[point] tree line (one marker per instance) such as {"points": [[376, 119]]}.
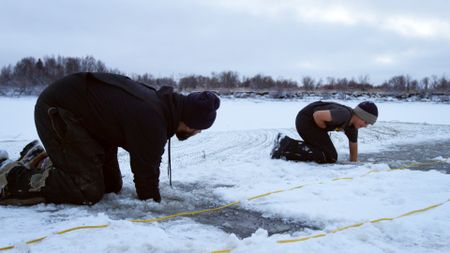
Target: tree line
{"points": [[29, 76]]}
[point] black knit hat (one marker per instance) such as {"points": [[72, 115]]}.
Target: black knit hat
{"points": [[199, 109], [367, 111]]}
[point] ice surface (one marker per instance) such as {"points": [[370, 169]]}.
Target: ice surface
{"points": [[231, 162]]}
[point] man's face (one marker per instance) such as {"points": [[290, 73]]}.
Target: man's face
{"points": [[359, 123], [184, 134]]}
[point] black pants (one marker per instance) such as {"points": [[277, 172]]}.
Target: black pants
{"points": [[83, 168], [316, 145]]}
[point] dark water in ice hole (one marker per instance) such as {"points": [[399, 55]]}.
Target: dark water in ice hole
{"points": [[244, 222]]}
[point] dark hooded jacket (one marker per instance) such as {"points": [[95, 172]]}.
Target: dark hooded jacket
{"points": [[119, 112]]}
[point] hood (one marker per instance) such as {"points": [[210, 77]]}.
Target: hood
{"points": [[172, 107]]}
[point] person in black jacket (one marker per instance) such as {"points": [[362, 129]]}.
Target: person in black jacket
{"points": [[313, 124], [82, 119]]}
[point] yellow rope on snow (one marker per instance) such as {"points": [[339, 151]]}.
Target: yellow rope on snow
{"points": [[187, 213], [411, 165], [59, 233], [36, 240], [81, 227], [343, 178], [364, 223], [222, 251], [220, 207], [306, 238]]}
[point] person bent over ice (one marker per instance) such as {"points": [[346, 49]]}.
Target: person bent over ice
{"points": [[313, 124], [81, 120]]}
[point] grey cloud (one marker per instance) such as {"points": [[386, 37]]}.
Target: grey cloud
{"points": [[184, 37]]}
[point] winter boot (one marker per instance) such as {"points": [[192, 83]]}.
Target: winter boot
{"points": [[280, 144], [5, 167], [4, 158], [32, 154], [275, 153], [20, 185], [27, 148], [291, 149]]}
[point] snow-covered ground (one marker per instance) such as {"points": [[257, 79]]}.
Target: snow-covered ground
{"points": [[230, 162]]}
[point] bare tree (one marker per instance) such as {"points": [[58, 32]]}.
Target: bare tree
{"points": [[308, 83]]}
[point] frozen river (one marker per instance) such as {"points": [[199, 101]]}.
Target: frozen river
{"points": [[231, 163]]}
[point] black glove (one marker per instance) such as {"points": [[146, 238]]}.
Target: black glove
{"points": [[156, 196], [149, 193]]}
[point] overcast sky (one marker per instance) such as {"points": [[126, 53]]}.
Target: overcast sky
{"points": [[282, 38]]}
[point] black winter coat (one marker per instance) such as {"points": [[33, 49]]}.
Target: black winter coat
{"points": [[119, 112]]}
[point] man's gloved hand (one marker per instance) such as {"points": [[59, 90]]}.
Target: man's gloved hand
{"points": [[149, 193], [156, 196]]}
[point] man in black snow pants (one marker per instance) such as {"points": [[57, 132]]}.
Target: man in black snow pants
{"points": [[313, 124], [82, 119]]}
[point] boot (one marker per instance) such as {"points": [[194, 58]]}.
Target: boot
{"points": [[3, 155], [5, 166], [280, 143], [27, 148], [21, 181], [16, 185], [32, 154], [4, 159]]}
